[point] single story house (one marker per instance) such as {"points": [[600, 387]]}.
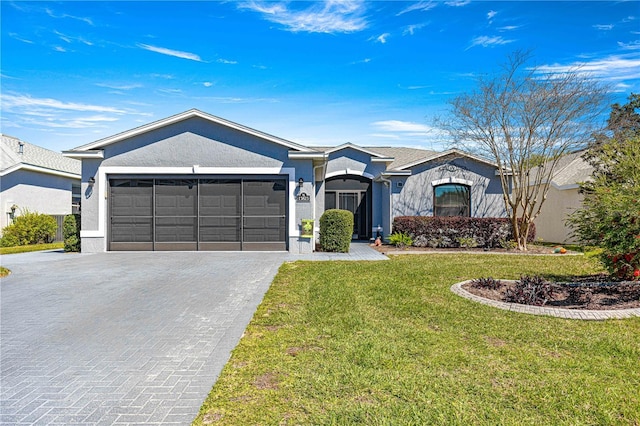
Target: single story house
{"points": [[36, 179], [563, 199], [194, 181]]}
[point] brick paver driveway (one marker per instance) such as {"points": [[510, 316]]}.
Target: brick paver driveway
{"points": [[130, 338]]}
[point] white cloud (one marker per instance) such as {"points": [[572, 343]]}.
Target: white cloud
{"points": [[382, 38], [17, 37], [458, 3], [508, 28], [170, 52], [491, 14], [634, 45], [363, 61], [421, 6], [486, 41], [59, 49], [207, 84], [226, 61], [119, 86], [411, 29], [329, 16], [402, 126], [612, 68], [603, 27], [25, 101], [52, 14]]}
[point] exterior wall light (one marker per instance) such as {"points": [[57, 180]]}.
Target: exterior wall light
{"points": [[92, 181], [300, 182]]}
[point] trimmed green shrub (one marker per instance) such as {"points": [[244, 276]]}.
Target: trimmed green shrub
{"points": [[71, 232], [451, 232], [336, 230], [400, 240], [29, 228]]}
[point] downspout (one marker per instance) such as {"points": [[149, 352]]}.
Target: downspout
{"points": [[387, 183]]}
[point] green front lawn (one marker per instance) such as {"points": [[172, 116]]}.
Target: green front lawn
{"points": [[30, 247], [382, 343]]}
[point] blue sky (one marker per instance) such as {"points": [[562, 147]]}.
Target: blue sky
{"points": [[318, 73]]}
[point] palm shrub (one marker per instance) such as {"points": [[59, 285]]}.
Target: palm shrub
{"points": [[400, 239], [71, 232], [29, 228], [336, 229]]}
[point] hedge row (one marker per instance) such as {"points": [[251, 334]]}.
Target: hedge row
{"points": [[449, 232]]}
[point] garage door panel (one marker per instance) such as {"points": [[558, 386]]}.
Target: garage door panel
{"points": [[263, 229], [178, 229], [198, 214], [132, 229], [220, 229]]}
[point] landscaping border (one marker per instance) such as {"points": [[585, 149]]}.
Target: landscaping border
{"points": [[579, 314]]}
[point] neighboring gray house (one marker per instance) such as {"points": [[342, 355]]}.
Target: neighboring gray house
{"points": [[563, 199], [194, 181], [36, 179]]}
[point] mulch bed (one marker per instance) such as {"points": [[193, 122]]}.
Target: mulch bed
{"points": [[591, 292], [532, 249]]}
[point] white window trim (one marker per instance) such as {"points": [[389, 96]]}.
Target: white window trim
{"points": [[451, 180], [101, 185]]}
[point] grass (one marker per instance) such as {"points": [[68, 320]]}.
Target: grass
{"points": [[4, 272], [383, 343], [30, 247]]}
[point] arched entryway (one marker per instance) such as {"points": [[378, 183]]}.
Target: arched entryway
{"points": [[353, 193]]}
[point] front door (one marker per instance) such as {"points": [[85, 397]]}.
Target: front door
{"points": [[352, 194]]}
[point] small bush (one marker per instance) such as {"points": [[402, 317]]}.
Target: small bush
{"points": [[336, 230], [29, 228], [449, 232], [467, 242], [71, 232], [489, 283], [400, 240], [530, 290]]}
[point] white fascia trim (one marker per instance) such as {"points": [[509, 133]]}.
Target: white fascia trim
{"points": [[39, 169], [396, 173], [452, 180], [83, 154], [349, 172], [382, 160], [103, 172], [293, 155], [183, 116]]}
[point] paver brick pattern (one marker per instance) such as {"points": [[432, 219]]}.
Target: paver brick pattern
{"points": [[126, 338], [122, 338]]}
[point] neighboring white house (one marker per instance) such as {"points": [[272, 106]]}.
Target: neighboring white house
{"points": [[563, 199], [36, 179]]}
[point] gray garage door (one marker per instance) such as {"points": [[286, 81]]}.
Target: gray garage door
{"points": [[198, 214]]}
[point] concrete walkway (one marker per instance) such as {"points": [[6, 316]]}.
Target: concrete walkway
{"points": [[126, 338]]}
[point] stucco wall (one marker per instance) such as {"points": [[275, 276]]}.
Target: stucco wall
{"points": [[550, 224], [188, 147], [37, 192], [415, 197]]}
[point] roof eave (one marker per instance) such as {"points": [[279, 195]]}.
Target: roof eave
{"points": [[79, 155]]}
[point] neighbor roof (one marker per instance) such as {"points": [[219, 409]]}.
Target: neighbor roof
{"points": [[35, 158], [571, 169]]}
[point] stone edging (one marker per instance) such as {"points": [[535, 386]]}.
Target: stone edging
{"points": [[580, 314]]}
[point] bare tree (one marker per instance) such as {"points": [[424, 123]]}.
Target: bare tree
{"points": [[524, 120]]}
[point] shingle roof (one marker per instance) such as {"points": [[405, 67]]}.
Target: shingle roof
{"points": [[400, 155], [34, 155]]}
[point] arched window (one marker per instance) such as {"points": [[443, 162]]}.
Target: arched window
{"points": [[452, 199]]}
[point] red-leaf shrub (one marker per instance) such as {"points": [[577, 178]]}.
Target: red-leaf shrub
{"points": [[446, 232]]}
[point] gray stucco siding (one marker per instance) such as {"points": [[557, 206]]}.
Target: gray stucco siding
{"points": [[36, 192], [195, 142], [415, 196], [352, 161]]}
